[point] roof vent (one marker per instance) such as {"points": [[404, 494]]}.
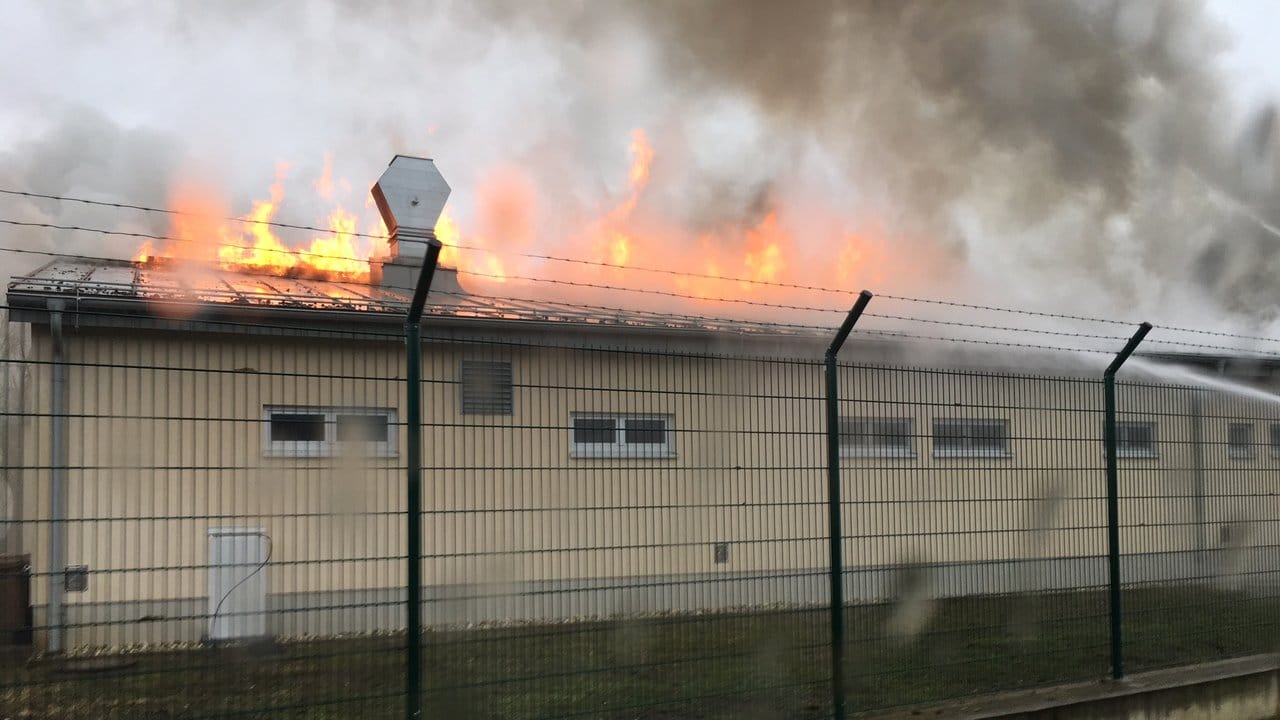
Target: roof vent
{"points": [[410, 195]]}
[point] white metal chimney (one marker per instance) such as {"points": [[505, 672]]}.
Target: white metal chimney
{"points": [[410, 195]]}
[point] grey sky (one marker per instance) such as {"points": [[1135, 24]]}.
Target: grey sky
{"points": [[1253, 59]]}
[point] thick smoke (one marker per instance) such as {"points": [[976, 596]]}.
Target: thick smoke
{"points": [[83, 154], [1083, 151], [1080, 154]]}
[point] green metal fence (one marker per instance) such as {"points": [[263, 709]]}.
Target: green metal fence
{"points": [[211, 517]]}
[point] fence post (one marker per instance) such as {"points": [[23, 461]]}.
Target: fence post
{"points": [[835, 533], [1113, 496], [413, 507]]}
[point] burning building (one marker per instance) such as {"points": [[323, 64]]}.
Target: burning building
{"points": [[216, 450]]}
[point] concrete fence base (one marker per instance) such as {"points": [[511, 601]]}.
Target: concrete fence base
{"points": [[378, 610], [1240, 689]]}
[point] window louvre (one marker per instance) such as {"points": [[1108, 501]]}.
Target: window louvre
{"points": [[486, 388]]}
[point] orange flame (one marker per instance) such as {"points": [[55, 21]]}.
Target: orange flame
{"points": [[324, 183], [761, 258], [642, 159], [250, 243], [145, 253]]}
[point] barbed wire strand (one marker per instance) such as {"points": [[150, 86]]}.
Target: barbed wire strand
{"points": [[780, 306], [706, 319]]}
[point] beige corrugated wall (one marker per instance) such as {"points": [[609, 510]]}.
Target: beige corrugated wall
{"points": [[166, 442]]}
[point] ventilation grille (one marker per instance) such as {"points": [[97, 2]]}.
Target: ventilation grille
{"points": [[486, 388]]}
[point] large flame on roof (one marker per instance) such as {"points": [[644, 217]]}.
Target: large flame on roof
{"points": [[509, 234], [773, 257], [201, 231]]}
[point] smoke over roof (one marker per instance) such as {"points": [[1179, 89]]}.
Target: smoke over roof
{"points": [[1032, 152]]}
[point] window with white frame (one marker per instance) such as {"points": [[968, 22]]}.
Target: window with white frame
{"points": [[1136, 439], [970, 437], [619, 435], [309, 431], [1240, 441], [876, 437], [1275, 440]]}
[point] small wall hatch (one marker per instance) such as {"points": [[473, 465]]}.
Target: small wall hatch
{"points": [[237, 583], [75, 578], [722, 553]]}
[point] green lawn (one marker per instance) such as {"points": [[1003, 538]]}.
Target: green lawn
{"points": [[771, 664]]}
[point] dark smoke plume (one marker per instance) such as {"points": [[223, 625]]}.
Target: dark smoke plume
{"points": [[1078, 143]]}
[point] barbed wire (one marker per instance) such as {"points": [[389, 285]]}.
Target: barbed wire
{"points": [[455, 246], [180, 213], [650, 291], [600, 286], [464, 295], [1038, 331], [666, 293], [170, 238], [715, 320], [977, 341], [1064, 316]]}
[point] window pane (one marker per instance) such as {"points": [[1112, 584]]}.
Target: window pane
{"points": [[856, 433], [948, 435], [594, 430], [648, 432], [987, 431], [876, 434], [1136, 439], [989, 436], [1136, 435], [1240, 434], [851, 432], [297, 428], [1240, 439], [895, 434], [1275, 438], [362, 428], [969, 438]]}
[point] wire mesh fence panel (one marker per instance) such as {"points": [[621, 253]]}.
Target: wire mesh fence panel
{"points": [[974, 532], [205, 514], [617, 533], [1198, 522], [206, 517]]}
